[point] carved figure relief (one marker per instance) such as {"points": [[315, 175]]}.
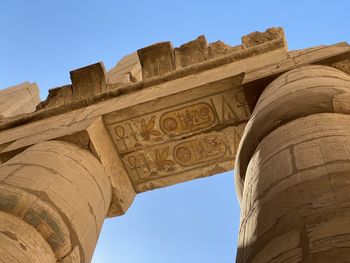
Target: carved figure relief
{"points": [[161, 159], [148, 129]]}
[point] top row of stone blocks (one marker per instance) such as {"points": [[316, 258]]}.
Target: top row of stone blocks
{"points": [[150, 62], [161, 58]]}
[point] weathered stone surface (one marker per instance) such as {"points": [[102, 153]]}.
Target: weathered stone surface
{"points": [[343, 65], [156, 60], [127, 70], [89, 80], [48, 129], [219, 48], [296, 194], [298, 58], [291, 170], [60, 191], [19, 99], [201, 109], [257, 79], [257, 38], [20, 242], [193, 52], [123, 192], [299, 92], [57, 97], [40, 215], [175, 162], [145, 135], [73, 257]]}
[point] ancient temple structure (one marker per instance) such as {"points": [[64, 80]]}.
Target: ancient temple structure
{"points": [[167, 115]]}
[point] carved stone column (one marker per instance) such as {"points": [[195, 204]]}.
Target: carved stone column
{"points": [[293, 170], [53, 200]]}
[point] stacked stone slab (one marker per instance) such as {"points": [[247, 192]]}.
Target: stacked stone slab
{"points": [[167, 115]]}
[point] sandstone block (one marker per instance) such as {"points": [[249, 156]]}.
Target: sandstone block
{"points": [[57, 97], [193, 52], [257, 38], [157, 59], [127, 70], [19, 99], [219, 48], [88, 81]]}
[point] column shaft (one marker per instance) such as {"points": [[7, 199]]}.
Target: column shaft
{"points": [[294, 171], [60, 194]]}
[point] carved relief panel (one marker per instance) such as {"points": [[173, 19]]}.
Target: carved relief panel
{"points": [[171, 136], [198, 155]]}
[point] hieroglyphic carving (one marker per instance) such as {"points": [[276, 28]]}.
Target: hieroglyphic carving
{"points": [[135, 133], [148, 129], [242, 102], [225, 107], [174, 158], [150, 163], [200, 150], [187, 119]]}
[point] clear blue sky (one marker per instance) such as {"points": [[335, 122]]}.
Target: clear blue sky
{"points": [[42, 40]]}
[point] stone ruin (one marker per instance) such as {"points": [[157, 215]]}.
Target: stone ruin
{"points": [[167, 115]]}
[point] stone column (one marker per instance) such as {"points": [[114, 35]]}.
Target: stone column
{"points": [[53, 200], [293, 170]]}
